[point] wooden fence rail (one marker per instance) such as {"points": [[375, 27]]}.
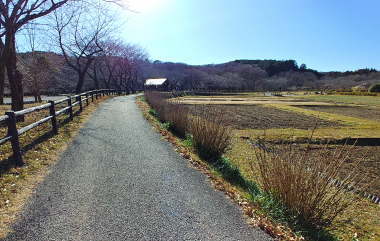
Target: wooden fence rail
{"points": [[10, 117]]}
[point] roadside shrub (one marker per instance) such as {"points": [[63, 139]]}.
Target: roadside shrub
{"points": [[166, 125], [375, 88], [305, 182], [211, 135], [169, 111], [157, 101], [178, 115], [188, 140], [153, 112]]}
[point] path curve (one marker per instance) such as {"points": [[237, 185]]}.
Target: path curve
{"points": [[120, 181]]}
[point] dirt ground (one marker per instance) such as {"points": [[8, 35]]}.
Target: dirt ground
{"points": [[261, 117], [360, 112], [228, 100]]}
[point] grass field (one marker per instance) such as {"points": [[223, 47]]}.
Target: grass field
{"points": [[343, 99], [295, 118]]}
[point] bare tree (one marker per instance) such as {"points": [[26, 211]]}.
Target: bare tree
{"points": [[14, 14], [104, 66], [2, 73], [34, 65], [127, 63], [37, 71], [80, 31], [118, 65], [94, 71]]}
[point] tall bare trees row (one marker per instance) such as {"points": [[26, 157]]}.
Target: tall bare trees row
{"points": [[117, 66], [79, 31], [83, 32], [86, 36]]}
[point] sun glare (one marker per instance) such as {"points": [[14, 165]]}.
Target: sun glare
{"points": [[143, 6]]}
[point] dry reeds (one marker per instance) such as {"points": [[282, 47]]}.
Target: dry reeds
{"points": [[169, 111], [211, 135], [305, 182], [178, 116]]}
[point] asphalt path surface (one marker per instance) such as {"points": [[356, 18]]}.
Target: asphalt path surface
{"points": [[120, 181]]}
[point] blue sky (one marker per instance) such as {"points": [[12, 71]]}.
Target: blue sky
{"points": [[325, 34]]}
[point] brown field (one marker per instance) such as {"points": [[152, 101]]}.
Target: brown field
{"points": [[247, 114], [259, 116], [255, 100], [262, 117], [360, 112]]}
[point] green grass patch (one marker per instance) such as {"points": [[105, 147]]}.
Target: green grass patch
{"points": [[153, 113], [166, 125], [188, 141], [346, 99]]}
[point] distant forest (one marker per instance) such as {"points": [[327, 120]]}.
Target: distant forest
{"points": [[238, 75], [258, 75]]}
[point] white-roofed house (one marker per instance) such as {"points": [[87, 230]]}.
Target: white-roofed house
{"points": [[156, 84]]}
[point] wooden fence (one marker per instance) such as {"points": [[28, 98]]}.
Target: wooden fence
{"points": [[10, 118]]}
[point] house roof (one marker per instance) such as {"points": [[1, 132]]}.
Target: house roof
{"points": [[155, 81]]}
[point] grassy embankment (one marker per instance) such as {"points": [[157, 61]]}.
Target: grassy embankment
{"points": [[364, 225]]}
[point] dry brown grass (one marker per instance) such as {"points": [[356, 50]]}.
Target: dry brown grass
{"points": [[178, 116], [172, 112], [211, 136], [305, 183], [208, 127]]}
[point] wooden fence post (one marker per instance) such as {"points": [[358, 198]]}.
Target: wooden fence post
{"points": [[12, 131], [53, 117], [69, 103], [79, 98], [87, 101], [92, 96]]}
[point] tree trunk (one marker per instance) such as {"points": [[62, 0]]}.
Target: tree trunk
{"points": [[37, 98], [2, 83], [2, 71], [80, 82], [96, 80], [14, 76]]}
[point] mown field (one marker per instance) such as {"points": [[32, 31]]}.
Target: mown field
{"points": [[296, 119]]}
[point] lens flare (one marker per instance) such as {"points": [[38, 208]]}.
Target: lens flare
{"points": [[143, 6]]}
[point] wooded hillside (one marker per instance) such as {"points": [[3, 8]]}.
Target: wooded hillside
{"points": [[252, 75], [256, 75]]}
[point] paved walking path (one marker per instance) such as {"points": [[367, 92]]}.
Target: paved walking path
{"points": [[120, 181]]}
